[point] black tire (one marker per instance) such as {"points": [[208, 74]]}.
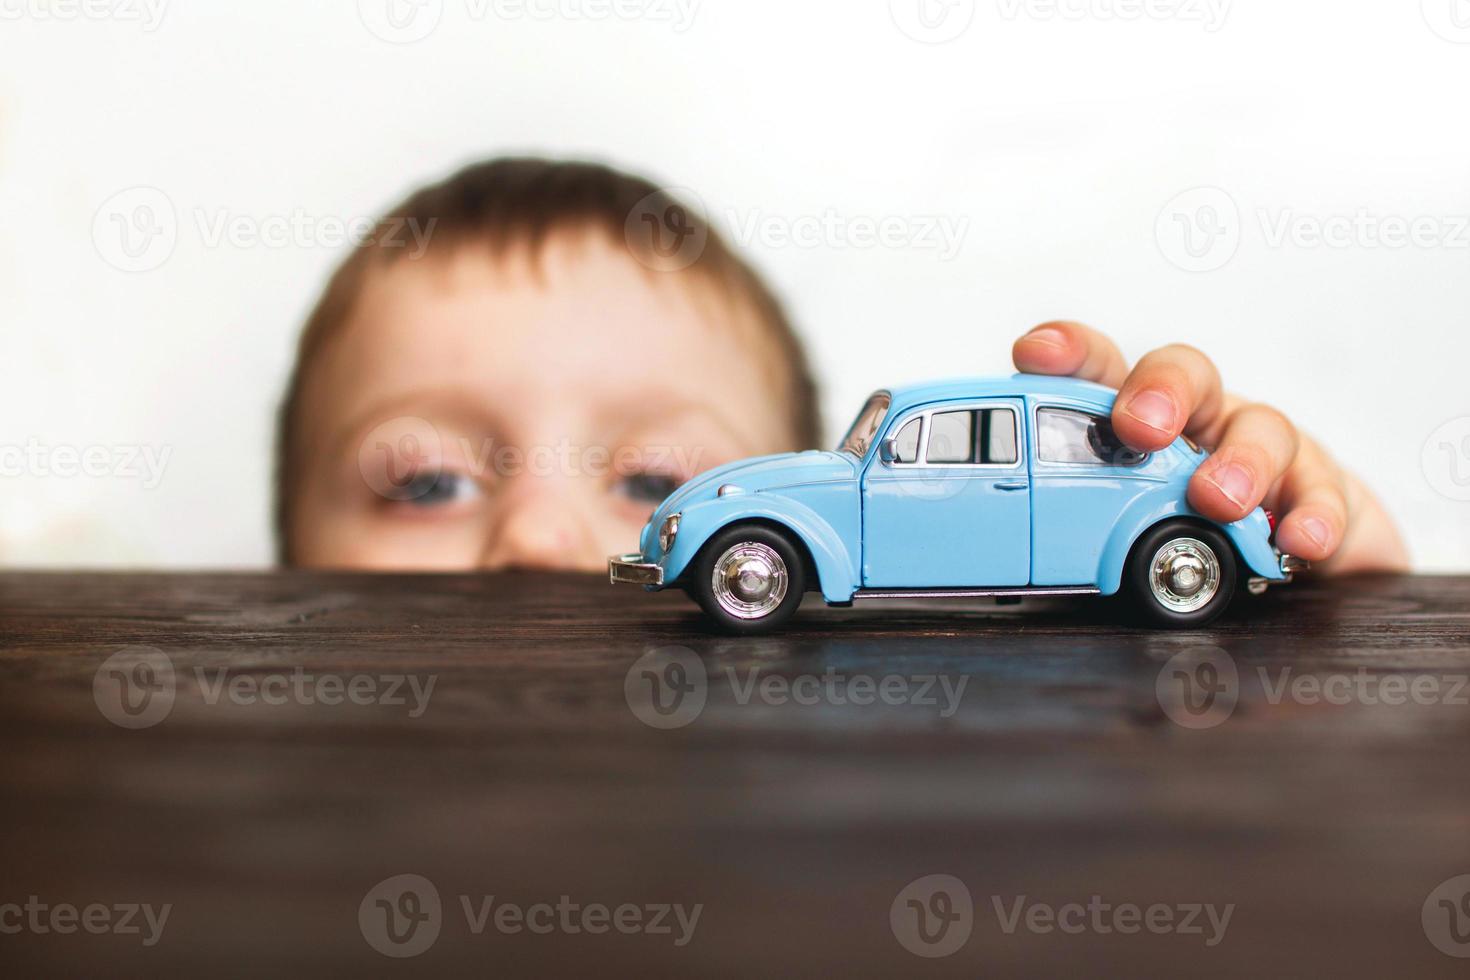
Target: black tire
{"points": [[764, 547], [1152, 596]]}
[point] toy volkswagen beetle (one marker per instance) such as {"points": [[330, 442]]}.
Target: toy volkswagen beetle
{"points": [[1006, 488]]}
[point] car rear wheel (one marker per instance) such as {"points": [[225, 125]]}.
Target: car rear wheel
{"points": [[749, 579], [1181, 575]]}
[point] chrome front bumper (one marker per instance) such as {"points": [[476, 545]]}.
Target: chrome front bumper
{"points": [[633, 570]]}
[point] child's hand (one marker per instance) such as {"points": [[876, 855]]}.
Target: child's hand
{"points": [[1256, 456]]}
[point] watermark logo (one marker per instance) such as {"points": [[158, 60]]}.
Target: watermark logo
{"points": [[400, 21], [135, 687], [145, 464], [1450, 19], [668, 230], [1446, 917], [1199, 230], [933, 916], [136, 230], [1198, 688], [932, 21], [667, 688], [402, 458], [942, 234], [1446, 459], [41, 918], [1101, 917], [1210, 14], [148, 14], [401, 916]]}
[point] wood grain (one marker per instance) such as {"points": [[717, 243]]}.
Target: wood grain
{"points": [[1059, 774]]}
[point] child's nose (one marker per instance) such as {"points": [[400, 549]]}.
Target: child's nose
{"points": [[535, 532]]}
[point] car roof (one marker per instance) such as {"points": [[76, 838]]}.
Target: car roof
{"points": [[1014, 386]]}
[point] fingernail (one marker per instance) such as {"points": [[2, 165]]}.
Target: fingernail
{"points": [[1154, 409], [1050, 336], [1317, 529], [1235, 482]]}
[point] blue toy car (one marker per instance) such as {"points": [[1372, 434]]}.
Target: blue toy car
{"points": [[1006, 487]]}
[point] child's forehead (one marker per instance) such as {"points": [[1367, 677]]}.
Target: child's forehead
{"points": [[577, 328]]}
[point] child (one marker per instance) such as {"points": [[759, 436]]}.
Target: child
{"points": [[568, 348], [571, 344]]}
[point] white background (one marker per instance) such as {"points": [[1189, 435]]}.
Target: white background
{"points": [[1056, 136]]}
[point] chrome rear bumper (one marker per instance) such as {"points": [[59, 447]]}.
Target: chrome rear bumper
{"points": [[1290, 565], [633, 570]]}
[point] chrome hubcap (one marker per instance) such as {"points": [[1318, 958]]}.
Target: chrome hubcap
{"points": [[749, 580], [1184, 575]]}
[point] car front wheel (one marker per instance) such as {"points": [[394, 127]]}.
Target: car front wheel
{"points": [[1181, 575], [749, 579]]}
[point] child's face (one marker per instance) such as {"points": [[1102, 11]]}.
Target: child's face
{"points": [[476, 412]]}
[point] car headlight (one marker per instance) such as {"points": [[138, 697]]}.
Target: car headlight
{"points": [[667, 532]]}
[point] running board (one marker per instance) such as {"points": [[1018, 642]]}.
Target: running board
{"points": [[1016, 593]]}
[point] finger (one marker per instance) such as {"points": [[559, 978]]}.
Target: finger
{"points": [[1257, 447], [1172, 390], [1066, 348], [1314, 506]]}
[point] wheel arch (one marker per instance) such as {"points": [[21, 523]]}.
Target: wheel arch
{"points": [[829, 564]]}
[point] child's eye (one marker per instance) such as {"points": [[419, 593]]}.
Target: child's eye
{"points": [[439, 489], [647, 488]]}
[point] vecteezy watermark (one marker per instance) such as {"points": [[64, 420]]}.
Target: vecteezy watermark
{"points": [[1446, 459], [1450, 19], [932, 916], [147, 14], [932, 21], [400, 21], [406, 458], [1446, 917], [143, 463], [668, 230], [63, 918], [1209, 14], [1199, 230], [138, 230], [408, 21], [669, 687], [1363, 229], [403, 916], [137, 687], [1200, 688], [1102, 917], [939, 233], [301, 687]]}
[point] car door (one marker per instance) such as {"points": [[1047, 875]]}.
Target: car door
{"points": [[1082, 479], [952, 508]]}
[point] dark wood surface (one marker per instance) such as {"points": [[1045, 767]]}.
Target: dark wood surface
{"points": [[529, 776]]}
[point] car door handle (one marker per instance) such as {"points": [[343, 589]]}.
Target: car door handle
{"points": [[1018, 485]]}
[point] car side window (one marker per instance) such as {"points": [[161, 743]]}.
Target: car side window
{"points": [[998, 442], [1069, 436], [906, 443], [985, 436], [951, 438]]}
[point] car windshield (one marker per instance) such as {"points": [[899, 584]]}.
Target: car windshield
{"points": [[860, 436]]}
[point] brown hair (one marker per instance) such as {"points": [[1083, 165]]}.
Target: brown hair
{"points": [[522, 202]]}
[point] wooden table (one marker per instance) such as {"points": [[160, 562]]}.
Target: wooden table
{"points": [[1067, 769]]}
